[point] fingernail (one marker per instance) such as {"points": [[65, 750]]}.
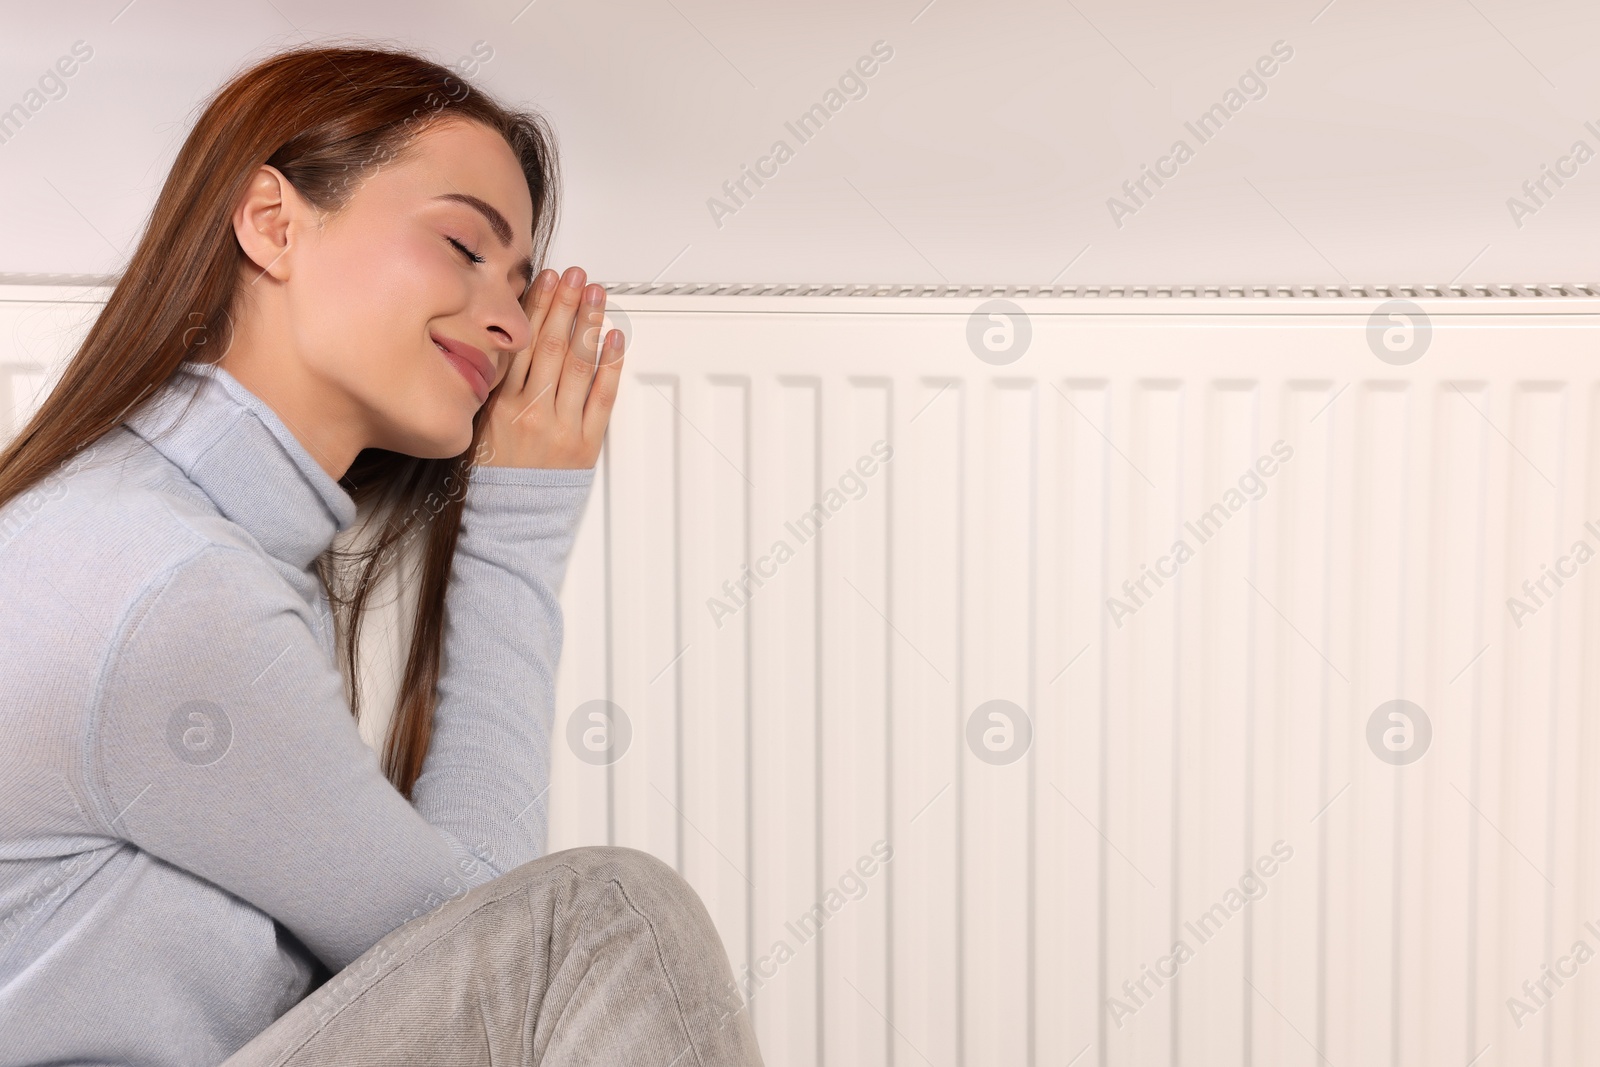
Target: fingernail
{"points": [[547, 280], [574, 277], [594, 294]]}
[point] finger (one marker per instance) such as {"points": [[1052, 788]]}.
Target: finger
{"points": [[603, 391], [573, 389], [551, 345], [537, 305]]}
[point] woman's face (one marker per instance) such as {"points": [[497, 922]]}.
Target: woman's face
{"points": [[428, 253]]}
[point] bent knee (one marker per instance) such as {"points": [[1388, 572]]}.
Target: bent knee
{"points": [[626, 864], [635, 869], [644, 880], [610, 884]]}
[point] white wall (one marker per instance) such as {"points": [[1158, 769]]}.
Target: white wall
{"points": [[984, 151]]}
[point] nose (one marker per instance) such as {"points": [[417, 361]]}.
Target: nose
{"points": [[508, 326]]}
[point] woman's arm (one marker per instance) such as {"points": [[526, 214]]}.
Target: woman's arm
{"points": [[486, 776], [220, 739]]}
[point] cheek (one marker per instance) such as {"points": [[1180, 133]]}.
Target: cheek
{"points": [[369, 302]]}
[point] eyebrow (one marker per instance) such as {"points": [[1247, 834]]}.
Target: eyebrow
{"points": [[497, 222]]}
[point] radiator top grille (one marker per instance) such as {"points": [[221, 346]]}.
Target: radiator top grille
{"points": [[1542, 290], [1158, 292]]}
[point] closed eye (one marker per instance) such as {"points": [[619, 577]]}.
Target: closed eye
{"points": [[469, 253]]}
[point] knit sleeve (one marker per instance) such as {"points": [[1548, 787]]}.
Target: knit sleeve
{"points": [[221, 741], [487, 773]]}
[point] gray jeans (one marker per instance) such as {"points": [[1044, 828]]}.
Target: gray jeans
{"points": [[595, 955]]}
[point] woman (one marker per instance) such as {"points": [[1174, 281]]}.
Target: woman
{"points": [[335, 303]]}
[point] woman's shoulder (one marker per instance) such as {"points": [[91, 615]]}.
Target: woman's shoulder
{"points": [[86, 556], [118, 516]]}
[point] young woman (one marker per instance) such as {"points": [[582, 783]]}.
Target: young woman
{"points": [[336, 303]]}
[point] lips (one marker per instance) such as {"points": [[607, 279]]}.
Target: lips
{"points": [[474, 366]]}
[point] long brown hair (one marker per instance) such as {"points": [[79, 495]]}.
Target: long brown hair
{"points": [[325, 117]]}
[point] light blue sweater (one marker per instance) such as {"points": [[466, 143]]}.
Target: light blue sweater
{"points": [[189, 818]]}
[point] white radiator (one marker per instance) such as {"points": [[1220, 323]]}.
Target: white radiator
{"points": [[1192, 832]]}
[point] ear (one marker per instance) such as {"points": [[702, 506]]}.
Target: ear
{"points": [[267, 212]]}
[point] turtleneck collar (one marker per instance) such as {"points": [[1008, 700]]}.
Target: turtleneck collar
{"points": [[242, 455]]}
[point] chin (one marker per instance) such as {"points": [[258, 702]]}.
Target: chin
{"points": [[449, 436], [457, 445]]}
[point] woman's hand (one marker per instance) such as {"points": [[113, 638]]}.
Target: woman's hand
{"points": [[554, 401]]}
